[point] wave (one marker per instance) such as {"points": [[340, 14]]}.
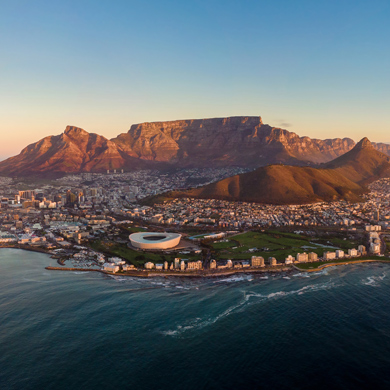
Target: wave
{"points": [[325, 271], [233, 279], [38, 281], [302, 275], [198, 323], [373, 280]]}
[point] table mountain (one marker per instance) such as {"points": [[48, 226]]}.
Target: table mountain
{"points": [[233, 141], [218, 142]]}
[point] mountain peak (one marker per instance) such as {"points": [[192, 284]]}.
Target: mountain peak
{"points": [[364, 144], [73, 130]]}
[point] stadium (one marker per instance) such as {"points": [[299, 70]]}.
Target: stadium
{"points": [[154, 241]]}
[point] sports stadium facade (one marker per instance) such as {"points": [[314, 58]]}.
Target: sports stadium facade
{"points": [[155, 241]]}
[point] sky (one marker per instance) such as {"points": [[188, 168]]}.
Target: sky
{"points": [[317, 68]]}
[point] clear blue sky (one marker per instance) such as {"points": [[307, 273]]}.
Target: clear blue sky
{"points": [[318, 68]]}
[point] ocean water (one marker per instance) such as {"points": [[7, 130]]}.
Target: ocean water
{"points": [[73, 330]]}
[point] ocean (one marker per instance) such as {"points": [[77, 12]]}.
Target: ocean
{"points": [[74, 330]]}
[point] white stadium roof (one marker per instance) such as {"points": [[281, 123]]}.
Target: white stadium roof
{"points": [[154, 240]]}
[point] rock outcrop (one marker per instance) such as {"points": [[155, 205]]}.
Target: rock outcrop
{"points": [[75, 150]]}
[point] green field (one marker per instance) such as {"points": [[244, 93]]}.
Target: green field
{"points": [[278, 244], [135, 257]]}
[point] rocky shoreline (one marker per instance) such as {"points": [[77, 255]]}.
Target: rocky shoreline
{"points": [[191, 274]]}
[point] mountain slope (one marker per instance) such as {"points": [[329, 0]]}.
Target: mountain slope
{"points": [[363, 164], [75, 150], [342, 178], [280, 184]]}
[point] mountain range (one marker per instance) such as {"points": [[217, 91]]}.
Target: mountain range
{"points": [[218, 142], [343, 178]]}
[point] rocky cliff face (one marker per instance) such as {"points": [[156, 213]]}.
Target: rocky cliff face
{"points": [[243, 141], [217, 142]]}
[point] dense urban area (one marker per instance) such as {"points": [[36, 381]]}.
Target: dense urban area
{"points": [[84, 221]]}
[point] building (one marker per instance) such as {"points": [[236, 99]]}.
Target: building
{"points": [[111, 267], [340, 254], [194, 265], [213, 264], [7, 238], [373, 228], [302, 257], [289, 259], [375, 248], [257, 261], [362, 250], [227, 264], [329, 255], [149, 265], [71, 198], [177, 263], [128, 267], [313, 256], [154, 241], [352, 252], [272, 261]]}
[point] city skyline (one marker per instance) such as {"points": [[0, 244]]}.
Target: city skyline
{"points": [[319, 70]]}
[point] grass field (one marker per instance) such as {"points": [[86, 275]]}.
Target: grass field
{"points": [[273, 244], [135, 257]]}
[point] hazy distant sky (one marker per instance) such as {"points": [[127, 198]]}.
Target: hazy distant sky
{"points": [[318, 68]]}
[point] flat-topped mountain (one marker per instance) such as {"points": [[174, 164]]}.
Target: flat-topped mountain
{"points": [[218, 142], [234, 141], [343, 178]]}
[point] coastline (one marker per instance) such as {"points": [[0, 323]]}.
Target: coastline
{"points": [[194, 274], [26, 248], [321, 267]]}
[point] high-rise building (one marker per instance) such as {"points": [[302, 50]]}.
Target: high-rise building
{"points": [[71, 198], [329, 255], [177, 263], [257, 261], [362, 250], [29, 194], [272, 261], [302, 257]]}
